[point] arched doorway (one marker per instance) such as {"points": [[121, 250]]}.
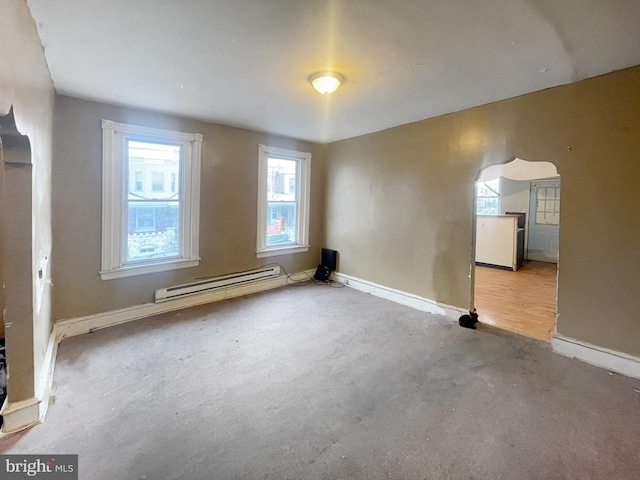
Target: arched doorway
{"points": [[15, 259], [516, 247]]}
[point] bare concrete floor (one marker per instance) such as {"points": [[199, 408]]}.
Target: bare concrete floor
{"points": [[323, 383]]}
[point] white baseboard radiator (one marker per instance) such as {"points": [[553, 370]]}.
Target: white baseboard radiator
{"points": [[203, 286]]}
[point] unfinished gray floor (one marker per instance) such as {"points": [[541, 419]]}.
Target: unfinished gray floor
{"points": [[325, 383]]}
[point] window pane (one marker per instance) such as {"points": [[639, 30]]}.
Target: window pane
{"points": [[281, 222], [487, 206], [155, 162], [153, 215], [153, 230], [282, 179], [281, 201], [548, 206], [488, 197], [542, 193]]}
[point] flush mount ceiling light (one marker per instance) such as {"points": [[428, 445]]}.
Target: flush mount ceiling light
{"points": [[326, 81]]}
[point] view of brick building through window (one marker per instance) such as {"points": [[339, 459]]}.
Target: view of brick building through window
{"points": [[488, 197], [281, 201], [153, 201]]}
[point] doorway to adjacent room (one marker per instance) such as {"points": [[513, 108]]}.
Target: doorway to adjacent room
{"points": [[516, 247], [15, 251]]}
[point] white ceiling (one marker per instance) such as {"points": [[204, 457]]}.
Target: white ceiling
{"points": [[247, 62]]}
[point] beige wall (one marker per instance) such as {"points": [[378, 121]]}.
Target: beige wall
{"points": [[399, 203], [26, 84], [514, 196], [228, 206]]}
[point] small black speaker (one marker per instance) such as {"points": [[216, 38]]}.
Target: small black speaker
{"points": [[329, 259], [322, 274]]}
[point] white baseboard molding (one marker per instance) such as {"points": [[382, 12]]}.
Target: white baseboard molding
{"points": [[17, 416], [27, 413], [77, 326], [599, 356], [403, 298], [20, 415], [44, 388]]}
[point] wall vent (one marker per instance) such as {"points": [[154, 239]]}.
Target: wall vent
{"points": [[195, 288]]}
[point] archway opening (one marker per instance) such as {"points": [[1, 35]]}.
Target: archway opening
{"points": [[516, 247], [15, 255]]}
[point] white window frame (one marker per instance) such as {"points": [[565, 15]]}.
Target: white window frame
{"points": [[303, 195], [555, 211], [114, 200]]}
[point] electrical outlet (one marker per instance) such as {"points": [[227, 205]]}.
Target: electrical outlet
{"points": [[372, 290], [346, 281]]}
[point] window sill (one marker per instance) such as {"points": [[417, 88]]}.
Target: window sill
{"points": [[272, 252], [132, 271]]}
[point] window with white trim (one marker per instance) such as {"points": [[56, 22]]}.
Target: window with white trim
{"points": [[146, 227], [488, 197], [547, 203], [284, 178]]}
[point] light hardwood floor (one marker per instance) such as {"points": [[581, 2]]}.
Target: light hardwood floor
{"points": [[523, 302]]}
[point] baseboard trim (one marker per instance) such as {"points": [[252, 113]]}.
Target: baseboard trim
{"points": [[403, 298], [77, 326], [45, 385], [599, 356], [18, 416]]}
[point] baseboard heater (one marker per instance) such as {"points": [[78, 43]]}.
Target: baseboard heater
{"points": [[195, 288]]}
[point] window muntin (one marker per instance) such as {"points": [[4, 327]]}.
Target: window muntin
{"points": [[147, 229], [283, 201], [547, 204]]}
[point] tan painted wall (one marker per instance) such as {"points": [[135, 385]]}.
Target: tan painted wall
{"points": [[399, 203], [514, 196], [26, 84], [228, 207]]}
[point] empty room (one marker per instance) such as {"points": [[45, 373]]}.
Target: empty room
{"points": [[338, 239]]}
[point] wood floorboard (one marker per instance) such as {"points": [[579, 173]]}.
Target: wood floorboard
{"points": [[523, 302]]}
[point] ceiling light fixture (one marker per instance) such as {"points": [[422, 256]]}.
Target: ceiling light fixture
{"points": [[326, 81]]}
